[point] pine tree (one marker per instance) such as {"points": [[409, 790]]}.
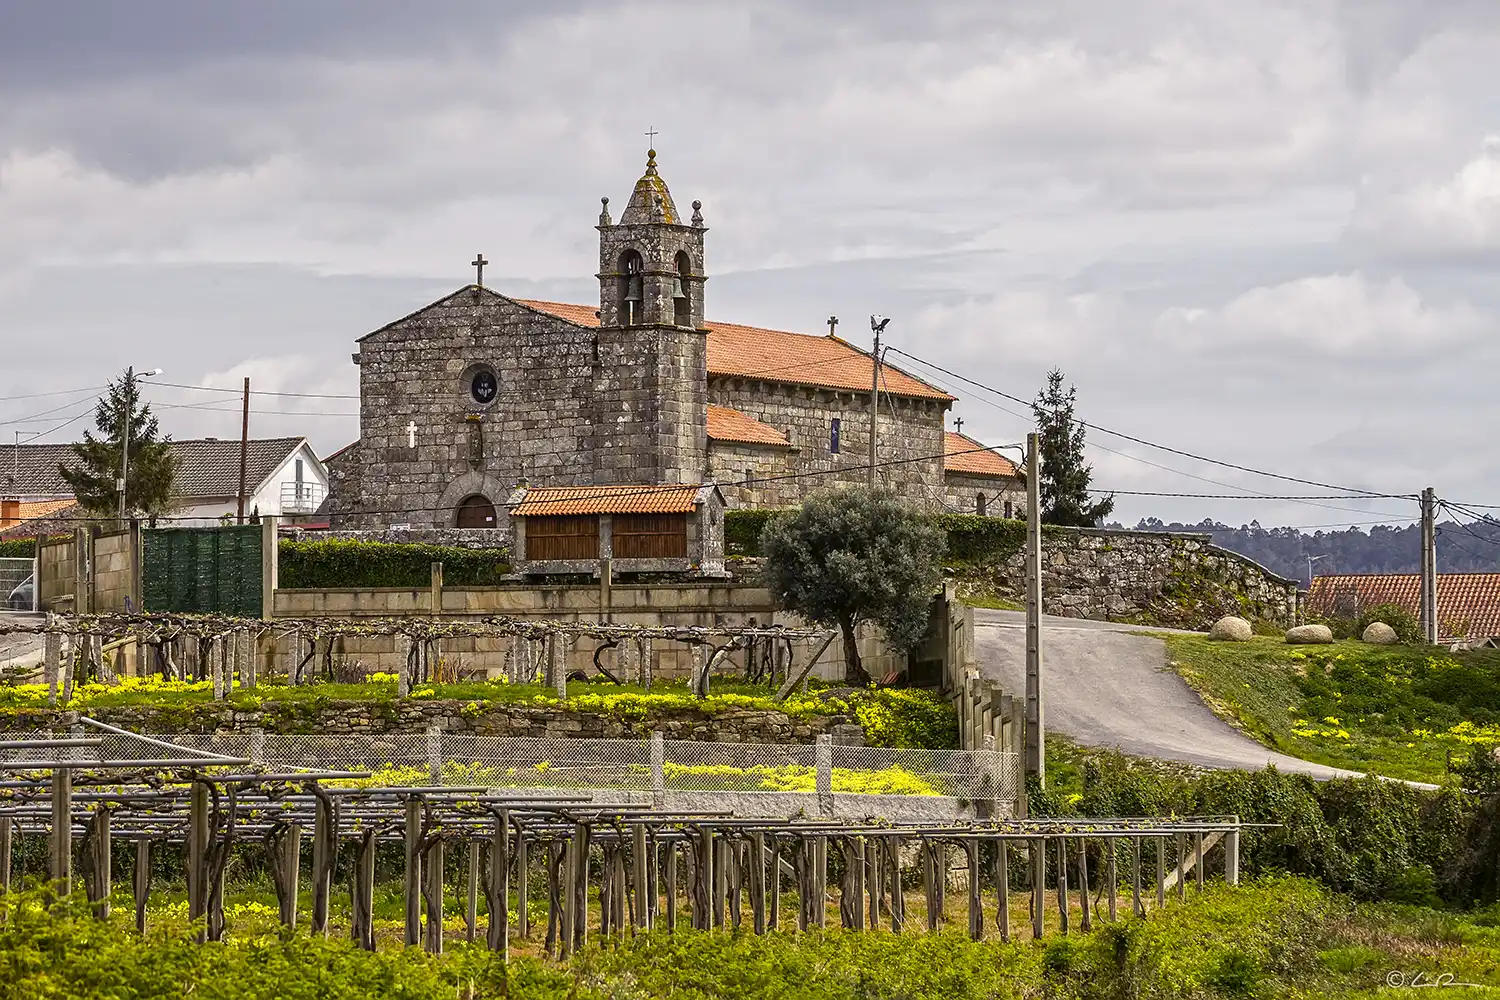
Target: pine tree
{"points": [[95, 471], [1065, 476]]}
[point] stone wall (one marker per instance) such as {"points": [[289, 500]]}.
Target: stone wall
{"points": [[1168, 579], [684, 604], [339, 718], [911, 433]]}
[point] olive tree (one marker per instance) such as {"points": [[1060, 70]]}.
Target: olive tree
{"points": [[855, 555]]}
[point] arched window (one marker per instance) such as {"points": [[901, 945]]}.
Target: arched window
{"points": [[981, 505], [474, 511], [682, 306], [632, 290]]}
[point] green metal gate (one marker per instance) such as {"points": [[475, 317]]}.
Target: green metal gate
{"points": [[203, 570]]}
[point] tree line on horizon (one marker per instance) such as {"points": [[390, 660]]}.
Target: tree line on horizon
{"points": [[1382, 548]]}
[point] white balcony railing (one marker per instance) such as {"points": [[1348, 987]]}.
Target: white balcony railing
{"points": [[302, 498]]}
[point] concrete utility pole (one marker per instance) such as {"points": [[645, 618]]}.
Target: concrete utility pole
{"points": [[131, 378], [1036, 717], [1428, 600], [244, 451], [877, 324]]}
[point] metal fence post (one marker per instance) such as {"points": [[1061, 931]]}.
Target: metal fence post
{"points": [[435, 753], [658, 769], [823, 755]]}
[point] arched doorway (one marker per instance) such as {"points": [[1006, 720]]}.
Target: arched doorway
{"points": [[475, 511]]}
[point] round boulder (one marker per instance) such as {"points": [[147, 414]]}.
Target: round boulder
{"points": [[1308, 634], [1380, 634], [1231, 629]]}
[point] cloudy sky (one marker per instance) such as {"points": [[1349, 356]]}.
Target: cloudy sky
{"points": [[1264, 233]]}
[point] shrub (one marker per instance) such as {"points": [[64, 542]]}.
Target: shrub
{"points": [[743, 528], [347, 562], [1408, 628], [18, 548], [907, 717], [975, 539]]}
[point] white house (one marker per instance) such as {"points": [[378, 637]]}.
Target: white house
{"points": [[283, 476]]}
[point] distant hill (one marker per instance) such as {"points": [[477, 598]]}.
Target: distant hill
{"points": [[1380, 549]]}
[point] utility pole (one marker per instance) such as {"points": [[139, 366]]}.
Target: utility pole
{"points": [[131, 380], [1036, 718], [877, 324], [1428, 602], [127, 405], [244, 451]]}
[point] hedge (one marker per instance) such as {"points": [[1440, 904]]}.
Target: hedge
{"points": [[347, 562], [971, 538], [18, 548]]}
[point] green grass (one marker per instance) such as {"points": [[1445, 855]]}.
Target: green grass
{"points": [[1397, 711], [1280, 937]]}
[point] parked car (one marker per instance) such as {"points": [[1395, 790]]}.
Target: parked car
{"points": [[23, 597]]}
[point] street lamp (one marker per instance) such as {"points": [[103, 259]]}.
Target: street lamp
{"points": [[130, 378]]}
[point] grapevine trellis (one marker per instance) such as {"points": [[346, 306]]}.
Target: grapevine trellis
{"points": [[605, 869], [222, 647]]}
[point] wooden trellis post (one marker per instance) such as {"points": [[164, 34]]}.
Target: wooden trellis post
{"points": [[100, 882], [499, 886], [432, 871], [976, 900], [1062, 884], [1085, 904], [141, 882], [1002, 888], [362, 893], [61, 842], [412, 887]]}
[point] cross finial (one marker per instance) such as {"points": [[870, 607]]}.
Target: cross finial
{"points": [[958, 423], [478, 264], [833, 321]]}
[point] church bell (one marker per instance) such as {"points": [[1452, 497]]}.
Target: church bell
{"points": [[633, 289], [677, 292]]}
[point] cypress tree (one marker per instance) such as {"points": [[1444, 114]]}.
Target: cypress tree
{"points": [[1064, 488]]}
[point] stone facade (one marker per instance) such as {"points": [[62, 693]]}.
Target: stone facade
{"points": [[341, 718], [1002, 497], [1168, 579], [910, 438]]}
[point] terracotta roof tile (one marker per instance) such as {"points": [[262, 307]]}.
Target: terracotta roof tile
{"points": [[1468, 603], [725, 424], [778, 356], [622, 499], [962, 455]]}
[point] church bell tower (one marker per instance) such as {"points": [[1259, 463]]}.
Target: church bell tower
{"points": [[651, 261], [651, 379]]}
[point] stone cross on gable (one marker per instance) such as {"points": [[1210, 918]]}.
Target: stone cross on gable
{"points": [[411, 434], [959, 424], [833, 321], [478, 264]]}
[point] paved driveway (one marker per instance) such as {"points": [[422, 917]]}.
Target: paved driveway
{"points": [[1105, 687]]}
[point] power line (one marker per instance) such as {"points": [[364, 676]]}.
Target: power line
{"points": [[55, 392], [258, 392], [1153, 444]]}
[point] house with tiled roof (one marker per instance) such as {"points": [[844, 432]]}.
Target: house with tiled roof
{"points": [[283, 477], [473, 393], [1468, 604]]}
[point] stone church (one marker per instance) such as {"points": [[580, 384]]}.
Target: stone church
{"points": [[471, 395]]}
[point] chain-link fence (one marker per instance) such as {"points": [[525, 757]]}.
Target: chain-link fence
{"points": [[633, 765], [17, 585]]}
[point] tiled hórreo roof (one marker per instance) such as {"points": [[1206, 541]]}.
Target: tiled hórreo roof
{"points": [[620, 499]]}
